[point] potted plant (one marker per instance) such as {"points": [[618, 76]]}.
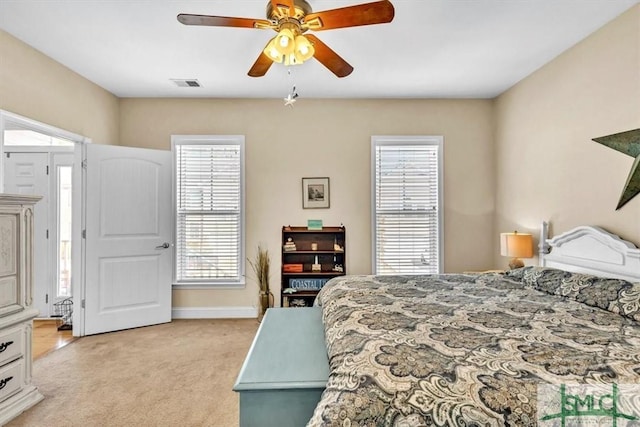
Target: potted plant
{"points": [[260, 266]]}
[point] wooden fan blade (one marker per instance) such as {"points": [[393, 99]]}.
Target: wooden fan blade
{"points": [[329, 58], [261, 66], [223, 21], [379, 12]]}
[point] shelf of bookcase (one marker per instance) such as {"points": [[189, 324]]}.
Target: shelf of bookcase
{"points": [[307, 295], [314, 273], [313, 252], [300, 293], [302, 230]]}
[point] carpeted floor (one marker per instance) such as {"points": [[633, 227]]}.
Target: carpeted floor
{"points": [[176, 374]]}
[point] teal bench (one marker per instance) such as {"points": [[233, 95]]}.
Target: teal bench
{"points": [[285, 371]]}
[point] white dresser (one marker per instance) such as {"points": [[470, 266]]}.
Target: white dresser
{"points": [[17, 393]]}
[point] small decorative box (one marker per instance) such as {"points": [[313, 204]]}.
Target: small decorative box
{"points": [[292, 268], [314, 224]]}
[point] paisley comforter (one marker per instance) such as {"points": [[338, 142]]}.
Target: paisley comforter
{"points": [[470, 350]]}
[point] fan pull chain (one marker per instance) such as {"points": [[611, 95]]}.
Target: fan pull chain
{"points": [[291, 97]]}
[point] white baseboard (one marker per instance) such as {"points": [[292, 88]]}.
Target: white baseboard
{"points": [[214, 313]]}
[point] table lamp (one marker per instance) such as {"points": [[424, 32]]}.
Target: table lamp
{"points": [[516, 245]]}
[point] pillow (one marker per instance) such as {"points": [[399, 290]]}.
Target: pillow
{"points": [[540, 278], [615, 295], [628, 302]]}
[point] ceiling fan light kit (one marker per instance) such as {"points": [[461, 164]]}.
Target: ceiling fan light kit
{"points": [[291, 19], [289, 47]]}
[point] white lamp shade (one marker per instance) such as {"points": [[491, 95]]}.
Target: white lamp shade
{"points": [[516, 245]]}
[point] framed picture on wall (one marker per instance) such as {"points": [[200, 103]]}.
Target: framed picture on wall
{"points": [[315, 193]]}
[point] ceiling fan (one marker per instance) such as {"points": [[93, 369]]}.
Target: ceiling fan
{"points": [[291, 19]]}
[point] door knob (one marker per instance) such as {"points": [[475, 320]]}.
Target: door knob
{"points": [[165, 245]]}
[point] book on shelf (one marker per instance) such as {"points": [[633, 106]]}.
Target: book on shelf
{"points": [[289, 245]]}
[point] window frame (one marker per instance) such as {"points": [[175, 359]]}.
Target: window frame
{"points": [[391, 140], [238, 140]]}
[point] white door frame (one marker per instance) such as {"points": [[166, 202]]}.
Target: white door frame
{"points": [[78, 250], [77, 283]]}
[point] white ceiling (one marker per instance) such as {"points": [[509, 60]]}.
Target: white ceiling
{"points": [[432, 49]]}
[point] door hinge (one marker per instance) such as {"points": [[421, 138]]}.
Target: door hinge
{"points": [[82, 304], [84, 164], [47, 234], [8, 155], [84, 234], [46, 299], [47, 169]]}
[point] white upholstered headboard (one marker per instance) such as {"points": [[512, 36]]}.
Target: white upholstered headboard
{"points": [[590, 250]]}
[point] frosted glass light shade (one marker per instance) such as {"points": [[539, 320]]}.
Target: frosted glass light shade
{"points": [[285, 42], [304, 49], [272, 52]]}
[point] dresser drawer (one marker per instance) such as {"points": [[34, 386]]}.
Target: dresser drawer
{"points": [[11, 344], [11, 379]]}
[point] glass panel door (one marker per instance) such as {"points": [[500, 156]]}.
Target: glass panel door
{"points": [[64, 232]]}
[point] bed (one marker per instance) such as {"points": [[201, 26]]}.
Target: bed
{"points": [[473, 349]]}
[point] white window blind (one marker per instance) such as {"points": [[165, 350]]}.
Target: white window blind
{"points": [[407, 205], [209, 210]]}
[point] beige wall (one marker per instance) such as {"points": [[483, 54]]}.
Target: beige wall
{"points": [[332, 138], [548, 168], [35, 86], [542, 165]]}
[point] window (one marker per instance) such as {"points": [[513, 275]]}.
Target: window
{"points": [[20, 137], [407, 204], [64, 232], [209, 197], [22, 132]]}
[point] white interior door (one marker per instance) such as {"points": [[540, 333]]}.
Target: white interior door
{"points": [[128, 248], [26, 173]]}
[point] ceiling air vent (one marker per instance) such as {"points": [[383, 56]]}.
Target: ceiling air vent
{"points": [[186, 82]]}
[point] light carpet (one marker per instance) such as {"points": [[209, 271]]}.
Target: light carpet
{"points": [[176, 374]]}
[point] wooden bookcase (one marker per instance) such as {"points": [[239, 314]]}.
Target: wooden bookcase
{"points": [[300, 271]]}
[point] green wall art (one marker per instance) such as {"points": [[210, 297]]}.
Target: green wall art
{"points": [[628, 143]]}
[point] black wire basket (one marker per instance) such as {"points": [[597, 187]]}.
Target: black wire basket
{"points": [[63, 310]]}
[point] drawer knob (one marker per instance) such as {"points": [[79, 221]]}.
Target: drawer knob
{"points": [[4, 382], [5, 345]]}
